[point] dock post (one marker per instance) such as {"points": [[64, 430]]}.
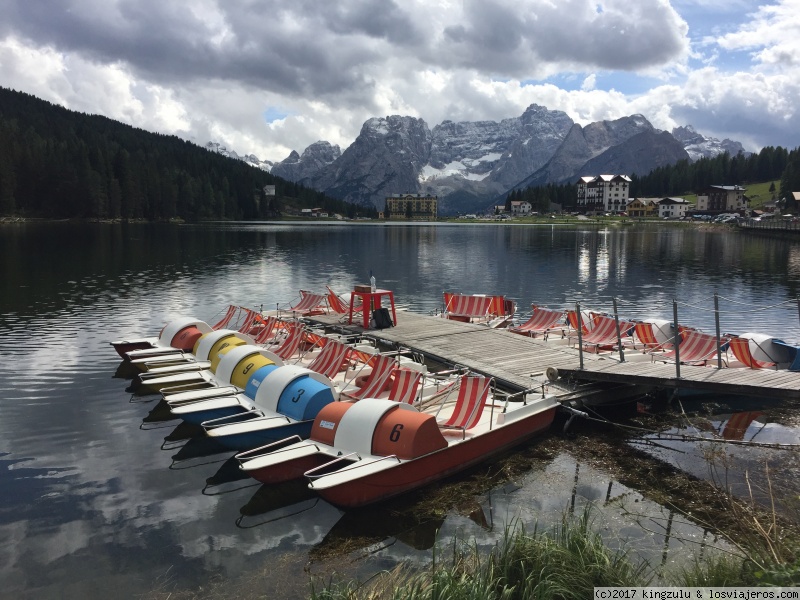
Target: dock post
{"points": [[716, 322], [619, 335], [580, 333], [676, 339]]}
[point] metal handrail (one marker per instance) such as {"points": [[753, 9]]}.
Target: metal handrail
{"points": [[335, 460]]}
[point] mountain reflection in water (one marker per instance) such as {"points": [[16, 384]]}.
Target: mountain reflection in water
{"points": [[90, 477]]}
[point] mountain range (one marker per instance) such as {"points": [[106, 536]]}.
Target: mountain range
{"points": [[470, 165]]}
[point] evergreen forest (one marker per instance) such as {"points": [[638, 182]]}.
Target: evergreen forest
{"points": [[57, 163]]}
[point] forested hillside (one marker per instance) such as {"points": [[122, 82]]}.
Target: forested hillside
{"points": [[57, 163]]}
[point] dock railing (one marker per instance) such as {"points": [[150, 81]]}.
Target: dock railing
{"points": [[679, 332]]}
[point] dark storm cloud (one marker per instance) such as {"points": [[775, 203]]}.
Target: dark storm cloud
{"points": [[512, 39], [267, 46], [309, 48]]}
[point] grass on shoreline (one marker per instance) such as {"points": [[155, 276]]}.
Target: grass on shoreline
{"points": [[567, 562]]}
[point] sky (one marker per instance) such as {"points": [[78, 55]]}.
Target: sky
{"points": [[270, 76]]}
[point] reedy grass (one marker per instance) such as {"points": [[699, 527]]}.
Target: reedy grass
{"points": [[565, 563]]}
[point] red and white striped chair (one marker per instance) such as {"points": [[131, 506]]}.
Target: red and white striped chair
{"points": [[473, 392]]}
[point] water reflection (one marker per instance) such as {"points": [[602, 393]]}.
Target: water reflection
{"points": [[87, 475], [751, 453]]}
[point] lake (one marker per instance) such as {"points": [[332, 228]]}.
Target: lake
{"points": [[103, 495]]}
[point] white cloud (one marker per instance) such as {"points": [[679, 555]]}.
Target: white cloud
{"points": [[211, 70]]}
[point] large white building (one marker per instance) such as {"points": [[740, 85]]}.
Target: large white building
{"points": [[672, 208], [721, 199], [603, 193]]}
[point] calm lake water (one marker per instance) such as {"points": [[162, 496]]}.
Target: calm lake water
{"points": [[95, 501]]}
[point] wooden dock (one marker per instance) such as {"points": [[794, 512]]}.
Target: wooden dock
{"points": [[519, 362]]}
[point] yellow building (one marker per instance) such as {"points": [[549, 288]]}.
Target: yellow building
{"points": [[642, 207], [411, 207]]}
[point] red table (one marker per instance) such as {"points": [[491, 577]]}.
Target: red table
{"points": [[370, 301]]}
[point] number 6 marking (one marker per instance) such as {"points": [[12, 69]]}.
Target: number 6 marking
{"points": [[395, 434]]}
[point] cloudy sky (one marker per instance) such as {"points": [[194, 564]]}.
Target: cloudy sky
{"points": [[271, 76]]}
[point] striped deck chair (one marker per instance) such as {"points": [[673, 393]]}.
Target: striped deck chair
{"points": [[695, 348], [266, 330], [376, 381], [643, 334], [249, 321], [541, 322], [473, 391], [226, 318], [461, 307], [309, 304], [603, 334], [333, 357], [338, 305], [406, 387], [587, 321], [290, 345], [741, 350]]}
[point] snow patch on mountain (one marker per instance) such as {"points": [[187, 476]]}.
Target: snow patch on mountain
{"points": [[251, 159]]}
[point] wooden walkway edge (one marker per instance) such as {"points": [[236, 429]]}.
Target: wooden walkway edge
{"points": [[520, 362]]}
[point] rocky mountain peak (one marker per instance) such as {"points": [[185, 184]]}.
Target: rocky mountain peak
{"points": [[251, 159], [297, 167], [699, 146]]}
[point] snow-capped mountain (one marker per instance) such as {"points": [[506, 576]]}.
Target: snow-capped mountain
{"points": [[470, 164], [251, 159], [699, 146]]}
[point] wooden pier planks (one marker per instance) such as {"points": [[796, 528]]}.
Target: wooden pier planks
{"points": [[514, 358]]}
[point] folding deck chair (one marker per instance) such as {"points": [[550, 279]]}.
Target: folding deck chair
{"points": [[265, 330], [376, 382], [541, 322], [250, 320], [461, 307], [741, 350], [694, 348], [473, 391], [603, 333], [226, 318], [333, 358], [290, 346], [340, 306], [310, 304], [644, 334], [406, 387], [587, 321]]}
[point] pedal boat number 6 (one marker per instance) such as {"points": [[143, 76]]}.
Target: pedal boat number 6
{"points": [[373, 449]]}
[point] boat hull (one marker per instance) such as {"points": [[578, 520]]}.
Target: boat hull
{"points": [[122, 348], [253, 439], [416, 473], [200, 416], [289, 470]]}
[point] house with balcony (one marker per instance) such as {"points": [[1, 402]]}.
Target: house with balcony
{"points": [[642, 208], [717, 199], [603, 193]]}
